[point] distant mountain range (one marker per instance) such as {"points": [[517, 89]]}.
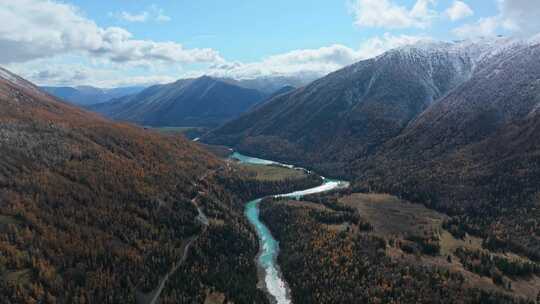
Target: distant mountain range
{"points": [[87, 95], [200, 102]]}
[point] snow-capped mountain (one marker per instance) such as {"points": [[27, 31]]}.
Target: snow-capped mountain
{"points": [[351, 113]]}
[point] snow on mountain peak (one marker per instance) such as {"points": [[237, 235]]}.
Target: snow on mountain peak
{"points": [[476, 50]]}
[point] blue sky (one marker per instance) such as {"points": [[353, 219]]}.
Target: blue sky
{"points": [[123, 42], [251, 30]]}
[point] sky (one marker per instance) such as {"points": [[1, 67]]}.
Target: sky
{"points": [[140, 42]]}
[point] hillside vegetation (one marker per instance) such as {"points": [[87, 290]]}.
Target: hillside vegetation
{"points": [[92, 211]]}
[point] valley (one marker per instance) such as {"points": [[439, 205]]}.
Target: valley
{"points": [[463, 142], [403, 170], [404, 235]]}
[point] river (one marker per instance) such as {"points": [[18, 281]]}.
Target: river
{"points": [[274, 282]]}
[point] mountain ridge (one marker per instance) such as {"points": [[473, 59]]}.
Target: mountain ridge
{"points": [[203, 101], [368, 102], [88, 95]]}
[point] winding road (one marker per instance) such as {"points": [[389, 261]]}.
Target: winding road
{"points": [[153, 296]]}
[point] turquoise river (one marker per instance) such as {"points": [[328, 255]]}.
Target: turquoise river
{"points": [[273, 281]]}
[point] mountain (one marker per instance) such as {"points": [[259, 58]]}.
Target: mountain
{"points": [[100, 212], [351, 112], [475, 153], [87, 95], [271, 84], [501, 98], [201, 102]]}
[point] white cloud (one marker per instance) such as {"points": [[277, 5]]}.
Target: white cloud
{"points": [[53, 43], [54, 73], [309, 63], [520, 16], [153, 13], [458, 11], [37, 29], [484, 27], [516, 17], [159, 14], [140, 17], [314, 62], [387, 14]]}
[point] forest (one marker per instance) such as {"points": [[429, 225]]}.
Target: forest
{"points": [[93, 211], [328, 261]]}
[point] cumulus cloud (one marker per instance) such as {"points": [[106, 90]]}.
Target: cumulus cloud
{"points": [[484, 27], [38, 29], [314, 62], [387, 14], [459, 10], [306, 63], [517, 17], [299, 62], [53, 43], [45, 72], [520, 16], [61, 77]]}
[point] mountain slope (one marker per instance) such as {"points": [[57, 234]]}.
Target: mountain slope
{"points": [[86, 95], [92, 211], [349, 113], [476, 153], [283, 90], [500, 97], [200, 102]]}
